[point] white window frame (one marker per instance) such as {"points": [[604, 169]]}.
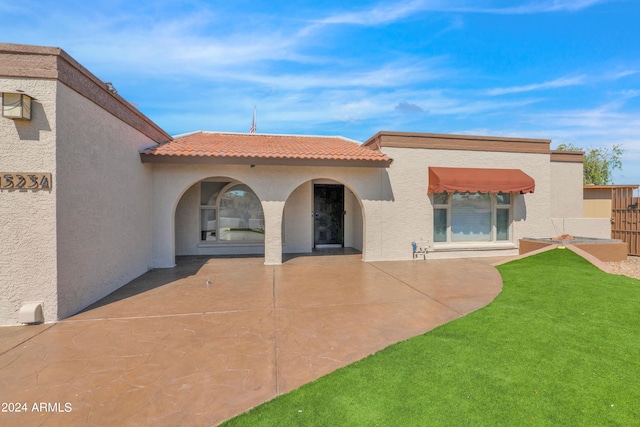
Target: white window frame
{"points": [[495, 207], [216, 207], [215, 231]]}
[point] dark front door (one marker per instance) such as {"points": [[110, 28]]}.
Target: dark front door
{"points": [[328, 211]]}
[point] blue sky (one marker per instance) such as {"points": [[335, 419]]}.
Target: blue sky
{"points": [[567, 70]]}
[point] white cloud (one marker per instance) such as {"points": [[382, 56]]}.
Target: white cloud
{"points": [[385, 13], [532, 7], [174, 50], [621, 74], [547, 6], [380, 14], [561, 82], [385, 76], [164, 42]]}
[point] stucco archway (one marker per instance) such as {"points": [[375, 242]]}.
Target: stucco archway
{"points": [[273, 185], [300, 229], [172, 181], [219, 216]]}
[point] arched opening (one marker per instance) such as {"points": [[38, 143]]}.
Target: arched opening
{"points": [[219, 216], [321, 215]]}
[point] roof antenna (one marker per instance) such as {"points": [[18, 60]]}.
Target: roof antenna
{"points": [[253, 124]]}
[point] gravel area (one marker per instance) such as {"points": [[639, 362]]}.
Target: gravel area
{"points": [[630, 267]]}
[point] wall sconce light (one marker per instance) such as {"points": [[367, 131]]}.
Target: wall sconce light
{"points": [[16, 106]]}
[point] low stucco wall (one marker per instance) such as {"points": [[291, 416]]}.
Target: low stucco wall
{"points": [[607, 252], [527, 246], [597, 228]]}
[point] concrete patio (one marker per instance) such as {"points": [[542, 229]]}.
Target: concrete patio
{"points": [[211, 338]]}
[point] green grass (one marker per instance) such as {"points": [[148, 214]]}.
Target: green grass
{"points": [[560, 346]]}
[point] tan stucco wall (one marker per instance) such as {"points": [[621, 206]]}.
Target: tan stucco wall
{"points": [[103, 199], [188, 221], [599, 228], [593, 208], [568, 214], [298, 220], [566, 190], [353, 221], [409, 216], [597, 202], [28, 218], [91, 232]]}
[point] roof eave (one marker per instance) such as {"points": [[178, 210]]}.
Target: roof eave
{"points": [[435, 141], [263, 161]]}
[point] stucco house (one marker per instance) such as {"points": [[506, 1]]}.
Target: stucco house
{"points": [[93, 193]]}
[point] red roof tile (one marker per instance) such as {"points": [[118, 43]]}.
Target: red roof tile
{"points": [[234, 146]]}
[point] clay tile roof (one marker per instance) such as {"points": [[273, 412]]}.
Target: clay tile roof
{"points": [[265, 149]]}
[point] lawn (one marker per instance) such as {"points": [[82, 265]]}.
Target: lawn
{"points": [[560, 346]]}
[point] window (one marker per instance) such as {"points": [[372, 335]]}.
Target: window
{"points": [[209, 210], [440, 217], [471, 217], [241, 216], [230, 213], [208, 224], [440, 225], [503, 216]]}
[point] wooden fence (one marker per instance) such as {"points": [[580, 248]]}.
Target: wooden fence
{"points": [[625, 216]]}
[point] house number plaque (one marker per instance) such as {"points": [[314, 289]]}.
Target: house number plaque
{"points": [[25, 181]]}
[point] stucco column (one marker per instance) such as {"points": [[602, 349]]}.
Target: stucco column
{"points": [[273, 232], [163, 241], [163, 232], [371, 235]]}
